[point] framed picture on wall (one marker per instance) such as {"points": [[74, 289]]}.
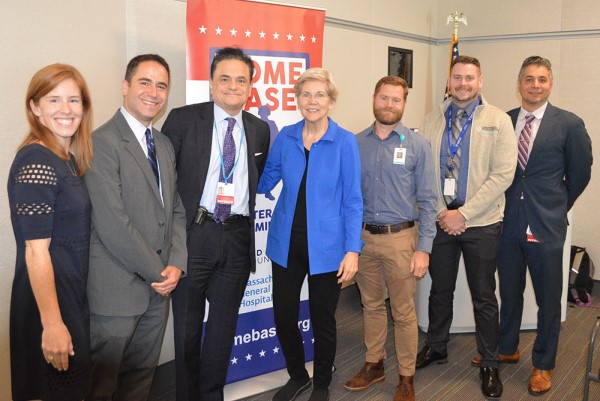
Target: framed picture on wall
{"points": [[400, 63]]}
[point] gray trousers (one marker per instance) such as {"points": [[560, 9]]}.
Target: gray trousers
{"points": [[125, 352]]}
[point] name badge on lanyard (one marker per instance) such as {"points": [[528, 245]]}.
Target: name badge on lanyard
{"points": [[226, 190], [225, 193], [400, 153]]}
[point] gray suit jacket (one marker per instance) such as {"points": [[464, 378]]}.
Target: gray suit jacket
{"points": [[134, 236]]}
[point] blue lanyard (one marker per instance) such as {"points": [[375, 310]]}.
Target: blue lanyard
{"points": [[237, 158], [453, 147]]}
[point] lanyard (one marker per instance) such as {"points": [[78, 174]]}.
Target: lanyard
{"points": [[237, 158], [453, 147]]}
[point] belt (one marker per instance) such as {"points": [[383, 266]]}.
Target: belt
{"points": [[389, 229], [233, 218]]}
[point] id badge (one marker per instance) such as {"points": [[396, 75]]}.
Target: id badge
{"points": [[449, 186], [399, 155], [225, 193]]}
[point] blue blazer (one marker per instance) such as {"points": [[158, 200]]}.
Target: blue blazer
{"points": [[334, 205], [558, 170]]}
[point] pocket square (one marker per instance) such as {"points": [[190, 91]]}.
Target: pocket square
{"points": [[258, 154]]}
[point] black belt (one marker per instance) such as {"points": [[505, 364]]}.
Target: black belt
{"points": [[233, 218], [389, 229]]}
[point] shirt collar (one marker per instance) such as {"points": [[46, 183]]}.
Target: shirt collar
{"points": [[139, 129], [221, 115], [395, 132], [468, 108], [538, 113]]}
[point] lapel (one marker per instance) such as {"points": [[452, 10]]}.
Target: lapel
{"points": [[544, 132], [133, 147], [204, 136], [166, 168], [250, 132]]}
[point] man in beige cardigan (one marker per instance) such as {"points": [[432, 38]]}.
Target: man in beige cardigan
{"points": [[475, 153]]}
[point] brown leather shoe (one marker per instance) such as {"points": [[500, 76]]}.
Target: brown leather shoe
{"points": [[405, 390], [541, 381], [370, 374], [514, 358]]}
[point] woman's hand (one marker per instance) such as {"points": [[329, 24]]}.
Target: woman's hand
{"points": [[57, 345], [348, 267]]}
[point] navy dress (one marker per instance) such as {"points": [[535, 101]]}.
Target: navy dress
{"points": [[47, 200]]}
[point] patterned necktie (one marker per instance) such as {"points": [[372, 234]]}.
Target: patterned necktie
{"points": [[524, 138], [453, 165], [152, 159], [222, 211]]}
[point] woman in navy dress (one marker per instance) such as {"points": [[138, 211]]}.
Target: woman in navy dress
{"points": [[50, 214]]}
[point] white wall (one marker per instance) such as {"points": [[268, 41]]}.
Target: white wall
{"points": [[99, 37]]}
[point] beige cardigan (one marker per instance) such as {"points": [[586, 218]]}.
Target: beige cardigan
{"points": [[492, 161]]}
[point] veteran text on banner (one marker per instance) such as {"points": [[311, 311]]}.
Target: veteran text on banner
{"points": [[283, 41]]}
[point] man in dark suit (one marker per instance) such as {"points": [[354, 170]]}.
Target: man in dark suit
{"points": [[138, 250], [554, 167], [221, 152]]}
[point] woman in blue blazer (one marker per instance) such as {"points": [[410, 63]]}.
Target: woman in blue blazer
{"points": [[315, 228]]}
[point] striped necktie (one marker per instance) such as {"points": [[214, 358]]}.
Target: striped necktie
{"points": [[453, 165], [152, 159], [524, 138]]}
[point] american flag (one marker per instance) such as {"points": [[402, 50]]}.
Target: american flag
{"points": [[453, 55]]}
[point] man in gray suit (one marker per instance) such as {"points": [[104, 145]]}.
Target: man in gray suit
{"points": [[138, 251]]}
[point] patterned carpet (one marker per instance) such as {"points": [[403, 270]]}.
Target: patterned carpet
{"points": [[455, 381]]}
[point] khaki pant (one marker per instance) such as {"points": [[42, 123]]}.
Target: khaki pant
{"points": [[385, 263]]}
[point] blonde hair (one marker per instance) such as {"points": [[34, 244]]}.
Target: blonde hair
{"points": [[42, 83], [317, 74]]}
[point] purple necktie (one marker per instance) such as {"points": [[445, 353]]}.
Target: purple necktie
{"points": [[222, 212], [524, 139]]}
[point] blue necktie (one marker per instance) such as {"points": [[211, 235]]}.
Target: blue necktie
{"points": [[152, 155], [222, 211]]}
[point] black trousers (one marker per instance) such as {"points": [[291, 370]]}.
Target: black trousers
{"points": [[544, 261], [218, 270], [479, 247], [324, 293]]}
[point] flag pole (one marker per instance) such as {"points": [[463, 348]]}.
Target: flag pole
{"points": [[456, 19]]}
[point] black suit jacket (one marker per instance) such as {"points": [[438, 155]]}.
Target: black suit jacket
{"points": [[190, 129], [557, 172]]}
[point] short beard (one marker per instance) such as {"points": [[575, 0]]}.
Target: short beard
{"points": [[383, 119]]}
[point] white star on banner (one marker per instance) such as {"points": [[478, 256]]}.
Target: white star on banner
{"points": [[262, 34], [276, 350], [248, 33], [314, 40], [233, 31], [289, 36], [248, 357], [275, 36], [218, 30], [302, 37], [312, 340], [234, 361], [202, 29], [262, 353]]}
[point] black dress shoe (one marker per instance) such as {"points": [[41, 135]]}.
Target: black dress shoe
{"points": [[427, 356], [491, 385]]}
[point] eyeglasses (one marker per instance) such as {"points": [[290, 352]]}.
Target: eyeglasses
{"points": [[319, 96]]}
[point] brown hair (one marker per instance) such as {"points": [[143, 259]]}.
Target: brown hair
{"points": [[42, 83], [465, 60], [394, 81]]}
